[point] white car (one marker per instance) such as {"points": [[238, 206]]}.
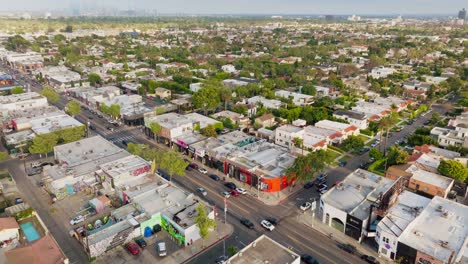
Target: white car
{"points": [[35, 164], [78, 219], [267, 225], [226, 194], [241, 190], [202, 191], [305, 206], [202, 170]]}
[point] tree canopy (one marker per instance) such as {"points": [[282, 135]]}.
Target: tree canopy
{"points": [[73, 108], [207, 98], [17, 90], [203, 221], [43, 144], [453, 169], [173, 163], [306, 167], [50, 94]]}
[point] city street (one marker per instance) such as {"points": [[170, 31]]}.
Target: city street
{"points": [[289, 231]]}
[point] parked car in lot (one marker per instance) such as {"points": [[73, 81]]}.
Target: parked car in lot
{"points": [[247, 223], [230, 185], [202, 191], [234, 193], [18, 200], [308, 259], [132, 248], [225, 194], [141, 242], [161, 249], [369, 259], [267, 225], [241, 190], [92, 127], [348, 248], [77, 219], [110, 128], [202, 170], [305, 206], [373, 145], [215, 177]]}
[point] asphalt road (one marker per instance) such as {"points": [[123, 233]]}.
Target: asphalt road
{"points": [[289, 232]]}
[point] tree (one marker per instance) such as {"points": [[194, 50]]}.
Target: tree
{"points": [[94, 78], [354, 143], [71, 134], [173, 163], [435, 118], [226, 95], [397, 156], [155, 128], [203, 221], [453, 169], [44, 144], [376, 154], [309, 89], [209, 131], [17, 90], [17, 43], [73, 108], [232, 250], [207, 98], [50, 94], [299, 143], [114, 110], [305, 167], [68, 29]]}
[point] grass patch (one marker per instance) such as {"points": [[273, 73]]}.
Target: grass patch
{"points": [[378, 167], [336, 149], [364, 138], [344, 158], [4, 174], [334, 154]]}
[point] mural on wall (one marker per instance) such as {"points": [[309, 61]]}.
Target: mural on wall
{"points": [[166, 225]]}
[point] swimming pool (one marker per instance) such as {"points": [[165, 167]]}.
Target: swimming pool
{"points": [[30, 231]]}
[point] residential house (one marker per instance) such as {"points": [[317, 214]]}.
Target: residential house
{"points": [[266, 120]]}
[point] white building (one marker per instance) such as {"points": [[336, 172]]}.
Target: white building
{"points": [[9, 230], [268, 103], [297, 98], [381, 72], [354, 118], [20, 102], [345, 129], [60, 76], [229, 68]]}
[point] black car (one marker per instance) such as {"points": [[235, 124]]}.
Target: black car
{"points": [[140, 242], [308, 259], [342, 164], [215, 177], [90, 117], [246, 222], [348, 248], [43, 164], [272, 220], [308, 185], [230, 185], [99, 115], [124, 142], [369, 259], [92, 127]]}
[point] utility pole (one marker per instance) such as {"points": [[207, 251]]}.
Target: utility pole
{"points": [[225, 216], [312, 208]]}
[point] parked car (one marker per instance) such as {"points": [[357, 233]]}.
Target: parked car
{"points": [[92, 127], [267, 225], [369, 259], [308, 185], [305, 206], [77, 219], [43, 164], [348, 248], [215, 177], [308, 259], [110, 128], [322, 176], [373, 145], [132, 248], [241, 190], [343, 163], [100, 116], [124, 142], [225, 194], [202, 191], [35, 164], [272, 220], [246, 222], [161, 248], [194, 166], [202, 170], [33, 171], [18, 200], [234, 193], [141, 242], [230, 185]]}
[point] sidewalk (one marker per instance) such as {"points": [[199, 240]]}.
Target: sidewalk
{"points": [[187, 253], [316, 223]]}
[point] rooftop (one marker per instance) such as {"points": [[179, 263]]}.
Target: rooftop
{"points": [[123, 166], [356, 192], [9, 99], [431, 178], [351, 114], [53, 123], [264, 250], [408, 206], [42, 251], [439, 230]]}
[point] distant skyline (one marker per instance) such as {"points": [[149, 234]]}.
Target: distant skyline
{"points": [[377, 7]]}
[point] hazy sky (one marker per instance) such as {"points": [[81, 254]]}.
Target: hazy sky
{"points": [[250, 6]]}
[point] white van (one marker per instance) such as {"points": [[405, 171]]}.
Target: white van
{"points": [[162, 249]]}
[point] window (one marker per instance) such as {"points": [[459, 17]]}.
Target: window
{"points": [[417, 186], [383, 251]]}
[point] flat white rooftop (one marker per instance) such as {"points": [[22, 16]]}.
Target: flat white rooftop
{"points": [[53, 123], [440, 230], [432, 178], [9, 99]]}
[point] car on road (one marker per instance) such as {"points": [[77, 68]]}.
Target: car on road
{"points": [[373, 145], [323, 189], [141, 242], [348, 248], [363, 150], [305, 206], [124, 142], [90, 117], [247, 223], [100, 116], [202, 191], [370, 259], [33, 171], [308, 185], [225, 194], [161, 248], [203, 170], [77, 219], [110, 128], [230, 185], [194, 166], [214, 177], [308, 259], [342, 163], [234, 193], [92, 127], [267, 225], [272, 220], [241, 190], [132, 248]]}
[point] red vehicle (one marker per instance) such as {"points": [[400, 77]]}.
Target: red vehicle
{"points": [[234, 193], [132, 248]]}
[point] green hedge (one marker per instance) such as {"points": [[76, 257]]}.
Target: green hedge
{"points": [[367, 132], [335, 149], [377, 167]]}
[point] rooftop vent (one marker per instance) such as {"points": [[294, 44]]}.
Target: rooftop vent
{"points": [[439, 208], [443, 243], [417, 233]]}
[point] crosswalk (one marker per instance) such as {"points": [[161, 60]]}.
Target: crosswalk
{"points": [[120, 139]]}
